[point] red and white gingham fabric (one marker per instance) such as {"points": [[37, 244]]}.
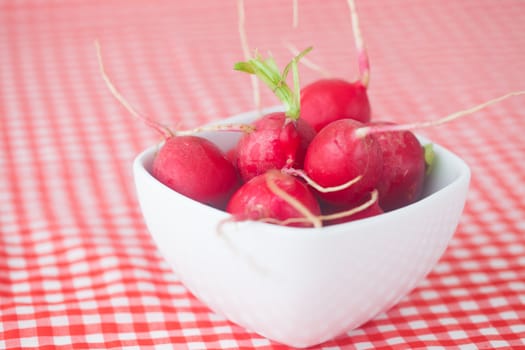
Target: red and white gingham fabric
{"points": [[78, 268]]}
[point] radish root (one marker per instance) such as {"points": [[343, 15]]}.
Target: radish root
{"points": [[295, 14], [246, 257], [312, 183], [163, 130], [307, 214], [246, 128], [366, 130], [306, 62], [363, 60], [328, 217], [246, 52], [355, 210]]}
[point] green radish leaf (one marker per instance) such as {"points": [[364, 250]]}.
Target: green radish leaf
{"points": [[430, 157], [272, 66], [268, 72], [245, 67]]}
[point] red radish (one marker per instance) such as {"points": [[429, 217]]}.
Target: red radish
{"points": [[196, 168], [404, 159], [276, 143], [231, 155], [279, 139], [403, 171], [190, 165], [327, 100], [337, 155], [257, 200]]}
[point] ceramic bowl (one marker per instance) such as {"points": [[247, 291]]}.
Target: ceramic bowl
{"points": [[302, 286]]}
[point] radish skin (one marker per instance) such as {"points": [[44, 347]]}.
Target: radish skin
{"points": [[403, 173], [327, 100], [277, 143], [256, 201], [196, 168], [336, 156]]}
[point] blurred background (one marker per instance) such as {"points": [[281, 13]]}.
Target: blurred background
{"points": [[173, 60]]}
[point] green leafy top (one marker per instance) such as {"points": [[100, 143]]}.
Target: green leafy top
{"points": [[430, 157], [267, 71]]}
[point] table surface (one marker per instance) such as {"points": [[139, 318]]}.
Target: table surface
{"points": [[78, 268]]}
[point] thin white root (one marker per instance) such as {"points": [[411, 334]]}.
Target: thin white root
{"points": [[295, 9], [246, 52], [307, 214], [165, 131], [223, 222], [312, 183], [286, 222], [355, 210], [246, 128], [306, 62], [366, 130], [364, 65], [328, 217], [247, 258]]}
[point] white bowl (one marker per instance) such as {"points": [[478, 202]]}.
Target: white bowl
{"points": [[302, 286]]}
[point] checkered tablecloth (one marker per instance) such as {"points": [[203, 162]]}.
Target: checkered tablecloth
{"points": [[78, 268]]}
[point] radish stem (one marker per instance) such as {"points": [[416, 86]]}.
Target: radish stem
{"points": [[266, 69]]}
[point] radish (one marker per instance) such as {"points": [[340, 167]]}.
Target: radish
{"points": [[327, 100], [275, 197], [280, 139], [196, 168], [403, 173], [279, 198], [405, 160], [337, 155], [346, 148], [188, 164], [276, 143]]}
